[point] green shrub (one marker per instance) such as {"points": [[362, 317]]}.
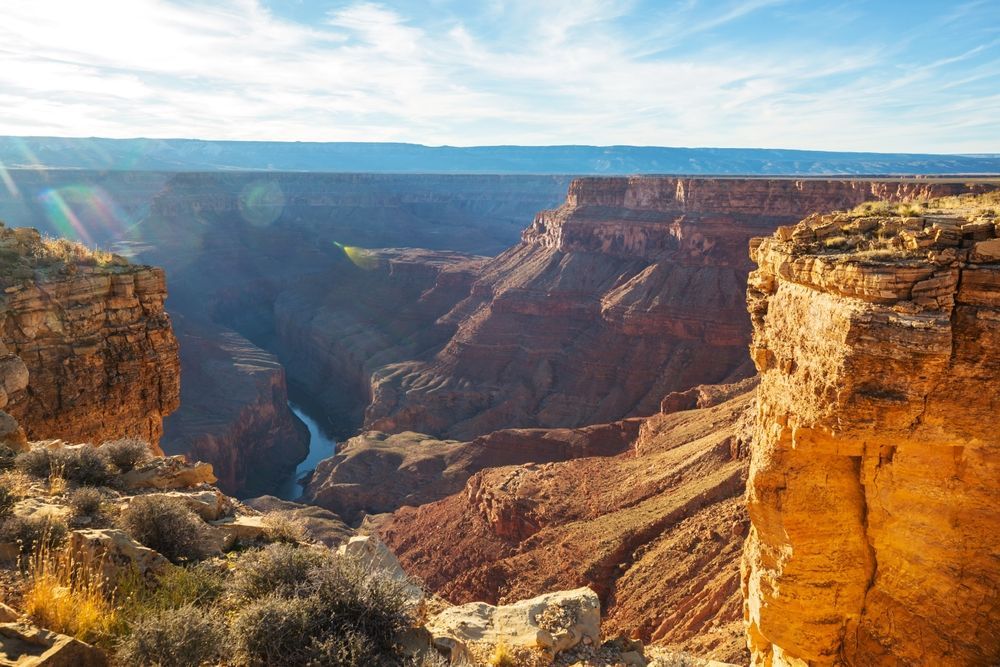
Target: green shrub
{"points": [[125, 453], [31, 534], [277, 568], [184, 637], [199, 584], [165, 525], [86, 501]]}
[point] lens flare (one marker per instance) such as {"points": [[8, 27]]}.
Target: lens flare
{"points": [[9, 182], [360, 257], [84, 213], [261, 203]]}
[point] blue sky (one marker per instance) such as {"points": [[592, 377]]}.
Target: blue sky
{"points": [[887, 76]]}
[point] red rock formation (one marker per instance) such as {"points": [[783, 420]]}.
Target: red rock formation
{"points": [[414, 469], [610, 523], [98, 348], [875, 453], [237, 417], [632, 289]]}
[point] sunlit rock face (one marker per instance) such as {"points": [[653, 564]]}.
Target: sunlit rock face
{"points": [[875, 456], [633, 288], [86, 346]]}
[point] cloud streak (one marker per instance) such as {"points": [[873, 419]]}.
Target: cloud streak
{"points": [[747, 73]]}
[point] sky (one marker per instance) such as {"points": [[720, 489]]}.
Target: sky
{"points": [[914, 76]]}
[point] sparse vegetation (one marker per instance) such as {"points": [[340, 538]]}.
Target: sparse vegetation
{"points": [[125, 454], [71, 252], [7, 456], [7, 500], [65, 596], [284, 527], [165, 525], [502, 656], [86, 501], [33, 534], [81, 465], [279, 569], [187, 636]]}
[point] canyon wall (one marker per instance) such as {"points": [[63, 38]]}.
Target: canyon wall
{"points": [[236, 414], [608, 522], [875, 453], [92, 337], [633, 288]]}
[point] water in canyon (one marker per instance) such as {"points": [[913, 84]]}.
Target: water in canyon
{"points": [[321, 446]]}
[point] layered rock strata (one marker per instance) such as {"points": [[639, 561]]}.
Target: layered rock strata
{"points": [[633, 288], [606, 522], [414, 469], [87, 350], [875, 453]]}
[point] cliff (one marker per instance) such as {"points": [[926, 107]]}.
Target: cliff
{"points": [[633, 288], [875, 453], [237, 417], [88, 350], [655, 530]]}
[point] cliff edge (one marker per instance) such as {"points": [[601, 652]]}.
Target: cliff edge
{"points": [[875, 463], [87, 350]]}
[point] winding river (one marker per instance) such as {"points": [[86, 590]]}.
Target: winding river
{"points": [[321, 446]]}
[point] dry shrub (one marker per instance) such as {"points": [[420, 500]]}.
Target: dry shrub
{"points": [[86, 501], [82, 465], [187, 636], [66, 596], [277, 568], [125, 453], [284, 527], [33, 534], [166, 525]]}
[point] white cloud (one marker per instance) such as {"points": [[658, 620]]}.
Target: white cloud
{"points": [[563, 71]]}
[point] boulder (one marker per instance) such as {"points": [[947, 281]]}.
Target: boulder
{"points": [[115, 553], [7, 614], [372, 554], [39, 508], [227, 533], [11, 433], [549, 623], [24, 645], [169, 472], [320, 524]]}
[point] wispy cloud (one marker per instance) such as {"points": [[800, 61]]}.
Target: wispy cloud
{"points": [[775, 73]]}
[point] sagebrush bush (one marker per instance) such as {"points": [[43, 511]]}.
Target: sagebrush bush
{"points": [[35, 462], [86, 501], [125, 453], [277, 568], [165, 525], [33, 534], [82, 465], [284, 527], [187, 636], [338, 613]]}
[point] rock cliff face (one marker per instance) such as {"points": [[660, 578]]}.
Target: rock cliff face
{"points": [[237, 417], [92, 336], [414, 469], [608, 522], [875, 454], [632, 289]]}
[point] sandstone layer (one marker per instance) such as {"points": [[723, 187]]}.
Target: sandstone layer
{"points": [[875, 454], [633, 288], [237, 415], [89, 335], [377, 472], [608, 522]]}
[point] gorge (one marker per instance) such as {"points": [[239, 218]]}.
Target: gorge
{"points": [[581, 409]]}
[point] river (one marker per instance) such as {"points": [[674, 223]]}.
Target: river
{"points": [[321, 446]]}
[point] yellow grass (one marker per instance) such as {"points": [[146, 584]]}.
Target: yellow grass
{"points": [[502, 656], [65, 596], [57, 480]]}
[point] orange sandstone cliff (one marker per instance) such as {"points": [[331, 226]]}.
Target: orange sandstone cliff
{"points": [[88, 352], [875, 468]]}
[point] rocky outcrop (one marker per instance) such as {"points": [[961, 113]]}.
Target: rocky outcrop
{"points": [[875, 454], [88, 352], [414, 469], [237, 415], [607, 522], [630, 290]]}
